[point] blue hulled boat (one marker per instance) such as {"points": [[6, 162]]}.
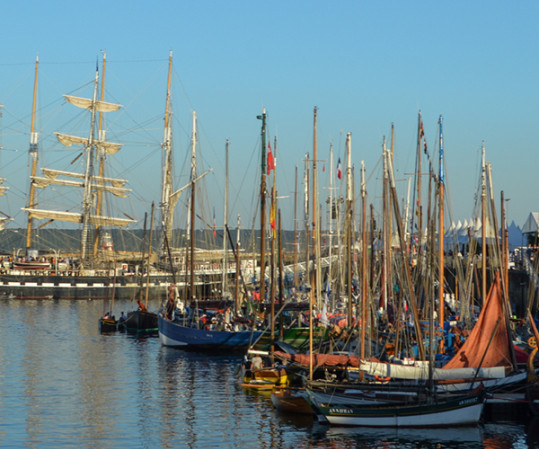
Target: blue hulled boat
{"points": [[177, 332]]}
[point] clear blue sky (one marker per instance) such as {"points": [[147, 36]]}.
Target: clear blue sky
{"points": [[364, 64]]}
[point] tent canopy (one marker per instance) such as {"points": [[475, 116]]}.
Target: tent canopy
{"points": [[532, 223]]}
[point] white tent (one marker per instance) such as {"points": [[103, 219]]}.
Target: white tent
{"points": [[532, 223]]}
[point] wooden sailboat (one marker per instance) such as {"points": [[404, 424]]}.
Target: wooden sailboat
{"points": [[186, 330], [429, 411], [142, 320]]}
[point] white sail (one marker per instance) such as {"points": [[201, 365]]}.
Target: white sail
{"points": [[87, 103]]}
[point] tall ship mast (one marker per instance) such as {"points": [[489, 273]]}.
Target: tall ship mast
{"points": [[88, 181]]}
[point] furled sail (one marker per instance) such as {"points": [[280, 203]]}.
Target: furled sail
{"points": [[41, 183], [87, 103], [102, 145], [3, 189], [76, 217], [52, 174]]}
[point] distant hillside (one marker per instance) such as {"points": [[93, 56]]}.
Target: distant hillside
{"points": [[68, 240]]}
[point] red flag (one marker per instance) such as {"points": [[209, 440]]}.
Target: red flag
{"points": [[339, 172], [271, 162]]}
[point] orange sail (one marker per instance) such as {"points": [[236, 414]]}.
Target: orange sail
{"points": [[489, 343]]}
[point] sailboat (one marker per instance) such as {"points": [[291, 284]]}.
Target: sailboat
{"points": [[184, 327]]}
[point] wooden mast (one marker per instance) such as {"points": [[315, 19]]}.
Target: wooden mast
{"points": [[225, 234], [263, 208], [34, 156], [237, 277], [192, 230], [406, 262], [296, 227], [102, 157], [316, 217], [348, 227], [148, 260], [364, 281], [441, 232], [166, 188], [87, 201], [483, 226], [272, 228]]}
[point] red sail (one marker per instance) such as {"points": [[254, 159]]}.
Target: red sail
{"points": [[489, 343]]}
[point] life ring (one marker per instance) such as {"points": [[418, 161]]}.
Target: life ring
{"points": [[382, 379]]}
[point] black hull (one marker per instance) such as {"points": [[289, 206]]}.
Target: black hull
{"points": [[78, 287], [107, 325], [140, 321]]}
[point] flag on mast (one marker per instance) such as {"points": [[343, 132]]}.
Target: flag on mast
{"points": [[271, 162], [339, 170]]}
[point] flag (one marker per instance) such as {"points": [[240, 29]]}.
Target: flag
{"points": [[214, 230], [421, 130], [339, 171], [271, 162], [272, 220]]}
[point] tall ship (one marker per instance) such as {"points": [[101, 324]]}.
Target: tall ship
{"points": [[97, 271]]}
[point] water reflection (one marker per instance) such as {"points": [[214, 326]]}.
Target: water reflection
{"points": [[64, 384]]}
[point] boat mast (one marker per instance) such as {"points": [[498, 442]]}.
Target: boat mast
{"points": [[316, 217], [34, 156], [102, 157], [349, 212], [193, 179], [148, 259], [364, 281], [441, 232], [483, 226], [295, 227], [273, 229], [90, 156], [225, 236], [166, 187], [263, 208], [237, 278], [330, 221]]}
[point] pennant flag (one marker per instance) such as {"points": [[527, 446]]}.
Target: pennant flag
{"points": [[421, 130], [339, 171], [324, 167], [271, 162]]}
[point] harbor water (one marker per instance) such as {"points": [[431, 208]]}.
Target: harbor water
{"points": [[63, 384]]}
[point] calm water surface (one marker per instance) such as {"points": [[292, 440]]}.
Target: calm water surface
{"points": [[62, 384]]}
